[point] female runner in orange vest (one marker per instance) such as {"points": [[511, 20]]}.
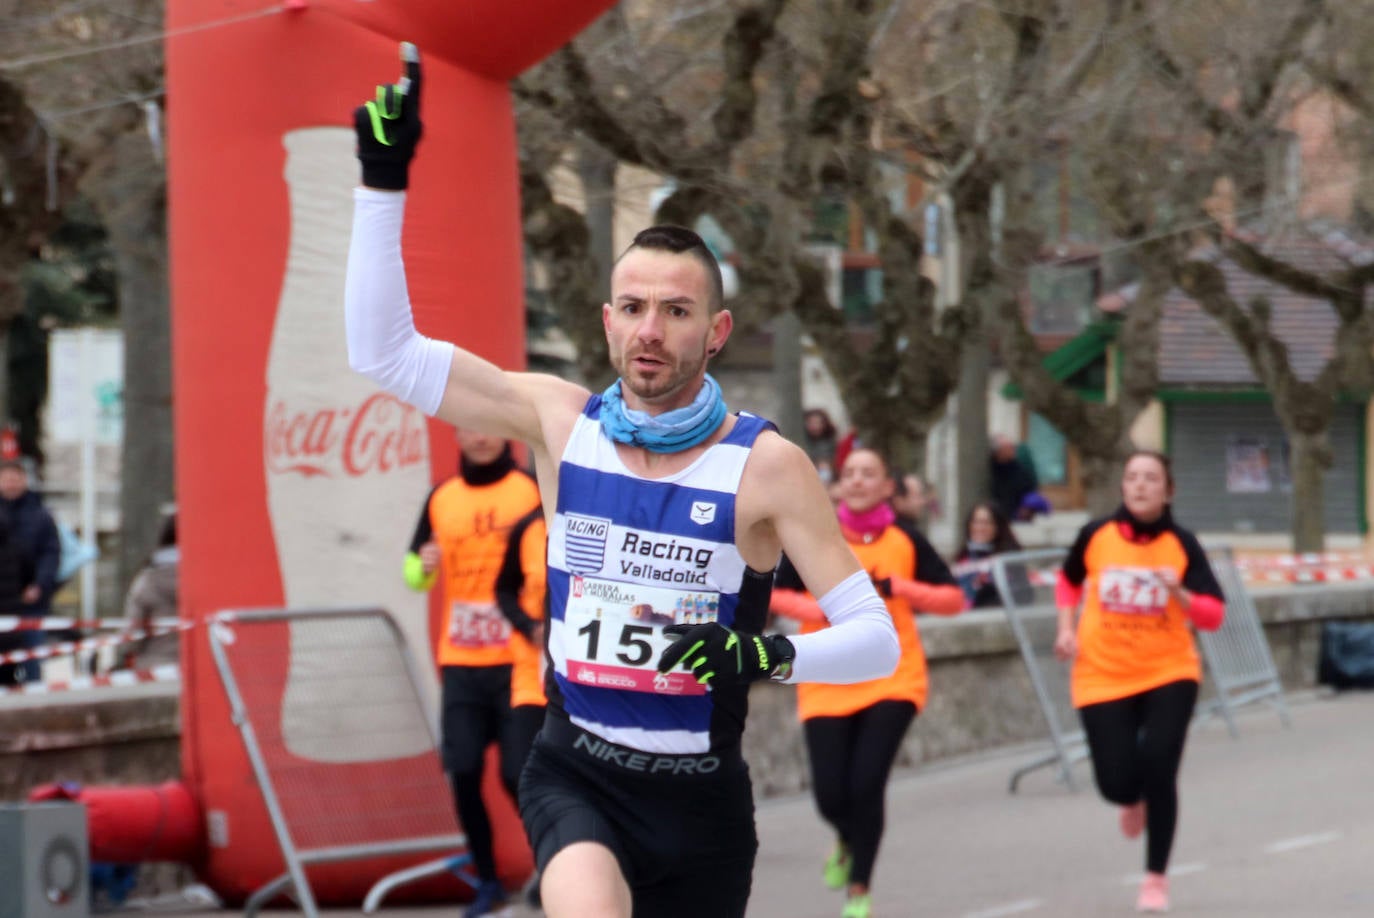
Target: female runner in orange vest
{"points": [[853, 732], [1135, 581]]}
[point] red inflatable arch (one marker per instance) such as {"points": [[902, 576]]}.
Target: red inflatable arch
{"points": [[297, 483]]}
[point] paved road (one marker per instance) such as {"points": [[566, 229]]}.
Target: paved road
{"points": [[1279, 823]]}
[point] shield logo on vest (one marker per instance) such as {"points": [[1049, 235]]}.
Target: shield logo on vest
{"points": [[703, 512], [584, 542]]}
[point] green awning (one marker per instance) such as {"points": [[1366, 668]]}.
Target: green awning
{"points": [[1075, 356]]}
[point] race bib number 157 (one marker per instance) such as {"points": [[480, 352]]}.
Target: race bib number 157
{"points": [[614, 636]]}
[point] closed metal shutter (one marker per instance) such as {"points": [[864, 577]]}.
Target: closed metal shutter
{"points": [[1230, 467]]}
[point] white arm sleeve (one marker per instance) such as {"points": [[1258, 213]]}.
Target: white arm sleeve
{"points": [[383, 344], [860, 644]]}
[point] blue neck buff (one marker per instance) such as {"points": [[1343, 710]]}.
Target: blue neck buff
{"points": [[669, 432]]}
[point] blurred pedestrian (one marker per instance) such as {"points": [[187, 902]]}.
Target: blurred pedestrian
{"points": [[819, 442], [1011, 481], [915, 501], [153, 595], [32, 535], [987, 532], [11, 604]]}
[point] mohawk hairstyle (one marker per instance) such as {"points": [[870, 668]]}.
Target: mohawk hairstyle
{"points": [[681, 241]]}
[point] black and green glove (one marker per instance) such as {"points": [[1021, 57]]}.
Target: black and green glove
{"points": [[389, 127], [718, 656]]}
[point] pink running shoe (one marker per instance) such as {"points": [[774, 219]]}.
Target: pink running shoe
{"points": [[1133, 819], [1154, 894]]}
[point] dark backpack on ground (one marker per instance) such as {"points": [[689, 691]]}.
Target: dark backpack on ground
{"points": [[1347, 655]]}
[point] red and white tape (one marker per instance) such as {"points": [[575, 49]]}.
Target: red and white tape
{"points": [[1309, 559], [68, 648], [56, 623], [1325, 567], [167, 672], [1329, 574]]}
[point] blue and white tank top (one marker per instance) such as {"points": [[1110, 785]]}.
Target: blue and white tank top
{"points": [[627, 557]]}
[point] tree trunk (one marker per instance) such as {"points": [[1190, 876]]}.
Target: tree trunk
{"points": [[1310, 457], [971, 427], [128, 188], [596, 169], [787, 377], [1101, 483], [558, 235], [971, 241]]}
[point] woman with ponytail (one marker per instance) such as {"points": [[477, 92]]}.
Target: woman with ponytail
{"points": [[853, 732]]}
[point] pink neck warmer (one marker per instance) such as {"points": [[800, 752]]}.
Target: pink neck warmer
{"points": [[868, 523]]}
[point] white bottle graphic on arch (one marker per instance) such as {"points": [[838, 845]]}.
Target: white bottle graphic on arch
{"points": [[347, 465]]}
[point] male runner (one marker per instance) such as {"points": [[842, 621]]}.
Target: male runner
{"points": [[666, 517]]}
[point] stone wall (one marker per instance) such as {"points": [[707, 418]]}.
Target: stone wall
{"points": [[110, 736], [124, 736], [981, 698]]}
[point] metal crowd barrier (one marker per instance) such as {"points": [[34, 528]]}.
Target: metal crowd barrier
{"points": [[342, 743], [1237, 656], [1025, 582], [1238, 665]]}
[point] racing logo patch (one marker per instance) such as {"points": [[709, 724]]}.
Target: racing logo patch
{"points": [[584, 542]]}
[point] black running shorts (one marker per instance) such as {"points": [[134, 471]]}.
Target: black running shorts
{"points": [[682, 827]]}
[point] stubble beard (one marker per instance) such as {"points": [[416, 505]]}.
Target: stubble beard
{"points": [[678, 375]]}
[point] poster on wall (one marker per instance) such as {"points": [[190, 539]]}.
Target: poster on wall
{"points": [[1247, 466]]}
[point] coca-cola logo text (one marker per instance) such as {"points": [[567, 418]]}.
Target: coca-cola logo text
{"points": [[377, 436]]}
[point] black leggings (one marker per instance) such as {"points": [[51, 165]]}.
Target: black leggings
{"points": [[525, 721], [851, 758], [476, 713], [1137, 745]]}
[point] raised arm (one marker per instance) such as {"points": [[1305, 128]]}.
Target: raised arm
{"points": [[438, 377]]}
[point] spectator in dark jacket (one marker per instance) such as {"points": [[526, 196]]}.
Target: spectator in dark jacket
{"points": [[32, 535], [1013, 482], [11, 588]]}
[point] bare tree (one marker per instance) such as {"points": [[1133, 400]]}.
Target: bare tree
{"points": [[825, 100], [757, 110], [28, 214], [807, 68], [1239, 108], [91, 70]]}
